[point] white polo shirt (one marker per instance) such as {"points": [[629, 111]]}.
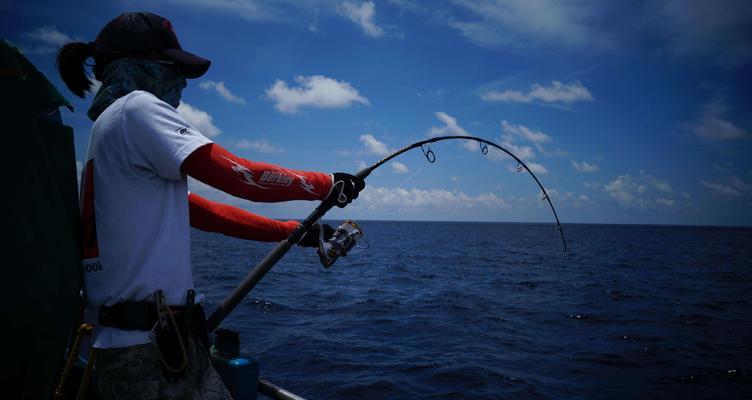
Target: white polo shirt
{"points": [[137, 239]]}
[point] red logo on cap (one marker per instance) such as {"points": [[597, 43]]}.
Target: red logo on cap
{"points": [[167, 25]]}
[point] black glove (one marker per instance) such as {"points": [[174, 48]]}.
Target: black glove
{"points": [[345, 188], [311, 237]]}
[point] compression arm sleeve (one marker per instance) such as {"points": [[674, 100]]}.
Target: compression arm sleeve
{"points": [[232, 221], [255, 181]]}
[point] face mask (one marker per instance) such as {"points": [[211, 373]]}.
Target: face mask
{"points": [[128, 74]]}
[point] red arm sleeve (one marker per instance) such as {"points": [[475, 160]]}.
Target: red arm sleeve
{"points": [[216, 217], [255, 181]]}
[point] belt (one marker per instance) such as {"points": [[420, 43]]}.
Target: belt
{"points": [[132, 315]]}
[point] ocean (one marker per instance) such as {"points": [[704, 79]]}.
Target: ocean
{"points": [[432, 310]]}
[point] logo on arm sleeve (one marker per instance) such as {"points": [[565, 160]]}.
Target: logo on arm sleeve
{"points": [[245, 173]]}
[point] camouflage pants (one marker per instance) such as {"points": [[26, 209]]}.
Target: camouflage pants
{"points": [[135, 373]]}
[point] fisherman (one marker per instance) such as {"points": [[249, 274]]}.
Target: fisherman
{"points": [[136, 209]]}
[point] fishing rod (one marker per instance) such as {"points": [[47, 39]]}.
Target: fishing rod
{"points": [[266, 264]]}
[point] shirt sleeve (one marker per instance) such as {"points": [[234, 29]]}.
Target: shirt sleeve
{"points": [[159, 137], [210, 216], [252, 180]]}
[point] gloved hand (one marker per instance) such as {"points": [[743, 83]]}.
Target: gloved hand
{"points": [[345, 188], [311, 237]]}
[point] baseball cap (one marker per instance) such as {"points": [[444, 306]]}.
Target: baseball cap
{"points": [[134, 32]]}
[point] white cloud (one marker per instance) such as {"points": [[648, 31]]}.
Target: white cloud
{"points": [[734, 187], [426, 200], [199, 119], [362, 15], [522, 152], [721, 189], [534, 167], [712, 125], [557, 92], [642, 191], [50, 35], [47, 39], [313, 91], [399, 168], [584, 166], [222, 91], [252, 10], [262, 146], [451, 128], [524, 132], [520, 23], [716, 30], [373, 145]]}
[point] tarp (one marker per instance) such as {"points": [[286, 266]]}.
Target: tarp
{"points": [[41, 278]]}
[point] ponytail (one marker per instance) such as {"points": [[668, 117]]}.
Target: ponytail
{"points": [[70, 63]]}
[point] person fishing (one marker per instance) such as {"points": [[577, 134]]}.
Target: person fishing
{"points": [[136, 210]]}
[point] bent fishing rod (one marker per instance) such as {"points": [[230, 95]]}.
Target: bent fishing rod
{"points": [[266, 264]]}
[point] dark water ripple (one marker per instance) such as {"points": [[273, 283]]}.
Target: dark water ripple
{"points": [[476, 311]]}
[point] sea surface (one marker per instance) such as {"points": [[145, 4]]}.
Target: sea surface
{"points": [[436, 310]]}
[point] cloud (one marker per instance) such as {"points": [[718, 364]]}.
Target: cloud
{"points": [[47, 39], [642, 191], [222, 91], [199, 119], [520, 23], [557, 92], [252, 10], [313, 91], [534, 167], [362, 15], [584, 166], [373, 145], [719, 31], [524, 132], [426, 200], [734, 187], [262, 146], [399, 168], [712, 125], [451, 128]]}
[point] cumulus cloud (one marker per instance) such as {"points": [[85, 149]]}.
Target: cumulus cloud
{"points": [[46, 39], [199, 119], [313, 91], [524, 132], [584, 166], [713, 125], [362, 15], [373, 145], [426, 200], [534, 167], [557, 92], [222, 91], [399, 168], [262, 146], [642, 191], [451, 128], [732, 187]]}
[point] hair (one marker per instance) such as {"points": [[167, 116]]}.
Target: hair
{"points": [[71, 59]]}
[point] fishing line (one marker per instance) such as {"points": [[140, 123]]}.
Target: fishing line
{"points": [[408, 179], [276, 254]]}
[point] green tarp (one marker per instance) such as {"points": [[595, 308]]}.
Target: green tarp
{"points": [[41, 277]]}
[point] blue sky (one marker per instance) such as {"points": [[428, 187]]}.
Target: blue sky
{"points": [[637, 112]]}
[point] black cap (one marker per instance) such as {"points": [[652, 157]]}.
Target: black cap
{"points": [[137, 32]]}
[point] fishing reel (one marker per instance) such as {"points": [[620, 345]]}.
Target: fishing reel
{"points": [[342, 240]]}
